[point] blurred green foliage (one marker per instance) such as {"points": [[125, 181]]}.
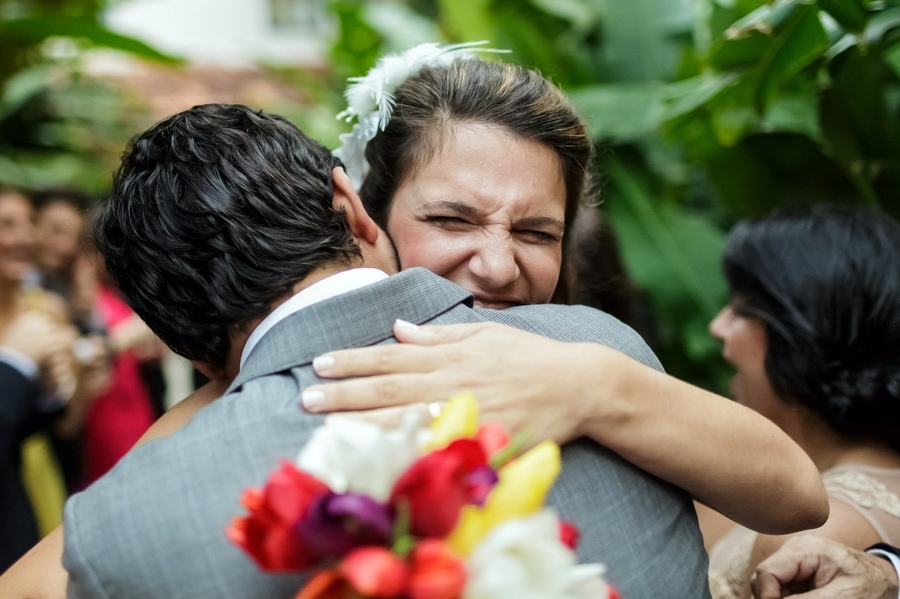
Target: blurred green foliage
{"points": [[704, 111], [58, 126]]}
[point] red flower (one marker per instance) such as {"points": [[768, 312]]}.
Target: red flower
{"points": [[568, 534], [435, 572], [268, 533], [375, 572], [436, 487]]}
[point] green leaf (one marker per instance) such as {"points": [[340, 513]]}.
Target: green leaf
{"points": [[669, 251], [576, 12], [35, 29], [468, 21], [23, 86], [797, 114], [732, 52], [620, 111], [400, 26], [688, 95], [850, 14], [892, 58], [801, 41], [764, 19], [880, 24], [732, 123]]}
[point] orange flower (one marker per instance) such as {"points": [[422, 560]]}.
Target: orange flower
{"points": [[435, 572], [375, 572], [328, 584]]}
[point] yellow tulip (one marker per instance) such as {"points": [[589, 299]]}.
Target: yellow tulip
{"points": [[458, 420], [520, 492], [468, 531], [524, 483]]}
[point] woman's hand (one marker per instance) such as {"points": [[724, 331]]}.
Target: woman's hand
{"points": [[514, 375]]}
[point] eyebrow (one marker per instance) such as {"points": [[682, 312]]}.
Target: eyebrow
{"points": [[472, 211]]}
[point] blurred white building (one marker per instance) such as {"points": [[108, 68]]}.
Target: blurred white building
{"points": [[228, 33]]}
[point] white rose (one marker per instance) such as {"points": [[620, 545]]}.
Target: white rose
{"points": [[352, 455], [524, 559], [520, 559]]}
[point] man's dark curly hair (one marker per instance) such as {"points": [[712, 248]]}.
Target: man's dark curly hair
{"points": [[825, 282], [215, 213]]}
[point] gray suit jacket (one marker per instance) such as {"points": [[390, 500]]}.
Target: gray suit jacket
{"points": [[154, 526]]}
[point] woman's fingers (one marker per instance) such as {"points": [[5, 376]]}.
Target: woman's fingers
{"points": [[436, 334], [392, 417], [367, 393], [405, 357], [377, 359]]}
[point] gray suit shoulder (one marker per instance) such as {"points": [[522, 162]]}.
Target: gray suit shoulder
{"points": [[577, 324]]}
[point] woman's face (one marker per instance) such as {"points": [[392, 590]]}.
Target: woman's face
{"points": [[486, 212], [744, 345], [16, 236], [58, 236]]}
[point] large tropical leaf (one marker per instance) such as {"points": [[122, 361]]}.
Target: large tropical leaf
{"points": [[37, 29]]}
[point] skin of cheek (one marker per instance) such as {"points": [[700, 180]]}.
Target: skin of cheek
{"points": [[485, 224], [744, 346], [449, 253], [16, 237]]}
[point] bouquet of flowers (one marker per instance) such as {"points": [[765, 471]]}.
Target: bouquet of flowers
{"points": [[411, 513]]}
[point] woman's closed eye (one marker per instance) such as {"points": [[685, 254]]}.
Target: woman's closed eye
{"points": [[536, 236], [448, 222]]}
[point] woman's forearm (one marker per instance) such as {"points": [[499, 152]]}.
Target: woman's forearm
{"points": [[727, 456]]}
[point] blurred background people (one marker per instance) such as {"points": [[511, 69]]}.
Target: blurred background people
{"points": [[38, 376], [59, 227], [121, 413]]}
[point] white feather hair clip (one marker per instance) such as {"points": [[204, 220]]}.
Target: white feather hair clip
{"points": [[371, 98]]}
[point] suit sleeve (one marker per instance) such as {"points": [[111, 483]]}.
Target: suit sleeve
{"points": [[17, 396], [579, 324]]}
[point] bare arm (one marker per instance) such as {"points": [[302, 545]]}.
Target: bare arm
{"points": [[39, 574], [727, 456], [184, 410]]}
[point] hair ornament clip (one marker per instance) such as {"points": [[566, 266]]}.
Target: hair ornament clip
{"points": [[370, 99]]}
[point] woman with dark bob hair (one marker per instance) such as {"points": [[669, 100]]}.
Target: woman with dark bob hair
{"points": [[813, 329]]}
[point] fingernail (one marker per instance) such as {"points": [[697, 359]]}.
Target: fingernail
{"points": [[405, 325], [323, 363], [312, 399]]}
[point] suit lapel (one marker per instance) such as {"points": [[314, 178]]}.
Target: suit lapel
{"points": [[361, 317]]}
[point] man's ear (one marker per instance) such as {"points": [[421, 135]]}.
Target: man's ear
{"points": [[347, 200]]}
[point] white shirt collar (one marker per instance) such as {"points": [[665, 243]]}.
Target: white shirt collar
{"points": [[329, 287]]}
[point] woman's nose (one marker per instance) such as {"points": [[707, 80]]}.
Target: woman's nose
{"points": [[718, 325], [494, 263]]}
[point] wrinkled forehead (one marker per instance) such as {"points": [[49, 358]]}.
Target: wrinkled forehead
{"points": [[434, 141]]}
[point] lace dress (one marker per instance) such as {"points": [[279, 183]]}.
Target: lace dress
{"points": [[873, 492]]}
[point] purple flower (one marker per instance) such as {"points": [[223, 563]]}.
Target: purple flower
{"points": [[335, 523], [481, 480]]}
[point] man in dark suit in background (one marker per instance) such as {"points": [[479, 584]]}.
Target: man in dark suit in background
{"points": [[27, 346]]}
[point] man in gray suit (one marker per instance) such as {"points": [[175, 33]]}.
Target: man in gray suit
{"points": [[243, 246]]}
